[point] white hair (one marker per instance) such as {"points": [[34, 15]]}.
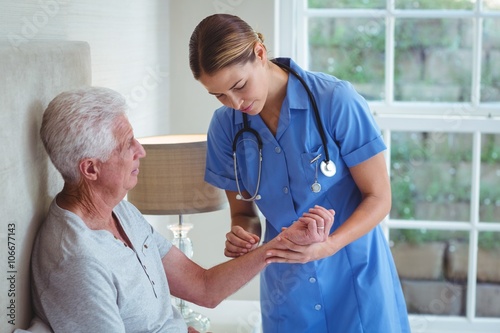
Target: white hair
{"points": [[78, 124]]}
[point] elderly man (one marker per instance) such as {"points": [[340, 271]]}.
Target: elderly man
{"points": [[97, 265]]}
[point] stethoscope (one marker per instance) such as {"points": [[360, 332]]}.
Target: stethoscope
{"points": [[327, 167]]}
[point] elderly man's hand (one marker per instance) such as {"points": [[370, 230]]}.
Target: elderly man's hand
{"points": [[312, 227]]}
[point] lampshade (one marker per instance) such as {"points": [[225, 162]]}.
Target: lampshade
{"points": [[171, 177]]}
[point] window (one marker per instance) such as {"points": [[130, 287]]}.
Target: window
{"points": [[430, 71]]}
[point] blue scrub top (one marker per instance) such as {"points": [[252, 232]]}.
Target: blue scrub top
{"points": [[355, 290]]}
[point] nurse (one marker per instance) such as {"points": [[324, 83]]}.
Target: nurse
{"points": [[348, 283]]}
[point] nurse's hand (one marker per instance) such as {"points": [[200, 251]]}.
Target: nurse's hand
{"points": [[312, 227], [303, 241], [239, 241], [289, 252]]}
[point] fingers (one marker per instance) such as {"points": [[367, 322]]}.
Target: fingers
{"points": [[239, 242], [314, 226], [288, 257], [323, 219], [330, 221], [288, 252]]}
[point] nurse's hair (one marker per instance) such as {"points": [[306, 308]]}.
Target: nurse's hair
{"points": [[221, 40], [79, 124]]}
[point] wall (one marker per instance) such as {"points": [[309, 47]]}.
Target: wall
{"points": [[129, 43], [30, 77], [188, 97], [128, 40]]}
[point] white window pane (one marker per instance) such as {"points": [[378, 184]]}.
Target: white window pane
{"points": [[371, 4], [433, 60], [489, 201], [488, 275], [434, 4], [490, 67], [431, 176], [432, 267], [351, 49], [491, 4]]}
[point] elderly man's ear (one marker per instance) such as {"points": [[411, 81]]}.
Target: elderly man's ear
{"points": [[89, 169]]}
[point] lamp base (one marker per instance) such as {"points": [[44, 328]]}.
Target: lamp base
{"points": [[194, 319], [181, 240]]}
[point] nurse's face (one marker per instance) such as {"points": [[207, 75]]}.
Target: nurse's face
{"points": [[241, 87]]}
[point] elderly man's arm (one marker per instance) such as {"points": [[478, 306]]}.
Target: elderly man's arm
{"points": [[208, 287]]}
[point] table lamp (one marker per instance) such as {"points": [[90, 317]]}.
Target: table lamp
{"points": [[171, 182]]}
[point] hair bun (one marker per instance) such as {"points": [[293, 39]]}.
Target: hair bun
{"points": [[260, 37]]}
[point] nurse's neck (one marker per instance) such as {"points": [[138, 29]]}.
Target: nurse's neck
{"points": [[278, 80]]}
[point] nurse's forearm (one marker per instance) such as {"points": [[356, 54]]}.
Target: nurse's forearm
{"points": [[250, 223], [244, 214], [370, 212], [372, 180]]}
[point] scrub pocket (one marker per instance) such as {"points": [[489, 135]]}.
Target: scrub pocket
{"points": [[312, 171], [310, 168]]}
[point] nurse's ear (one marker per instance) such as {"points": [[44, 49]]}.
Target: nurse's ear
{"points": [[260, 52]]}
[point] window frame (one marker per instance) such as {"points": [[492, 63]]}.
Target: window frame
{"points": [[475, 117]]}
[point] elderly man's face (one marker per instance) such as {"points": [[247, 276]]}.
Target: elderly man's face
{"points": [[119, 173]]}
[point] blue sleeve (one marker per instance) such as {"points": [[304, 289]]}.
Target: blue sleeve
{"points": [[219, 169], [354, 128]]}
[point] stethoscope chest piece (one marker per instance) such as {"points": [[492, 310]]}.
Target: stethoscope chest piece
{"points": [[328, 168]]}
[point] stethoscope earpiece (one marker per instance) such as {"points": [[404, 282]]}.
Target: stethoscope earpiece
{"points": [[240, 197]]}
